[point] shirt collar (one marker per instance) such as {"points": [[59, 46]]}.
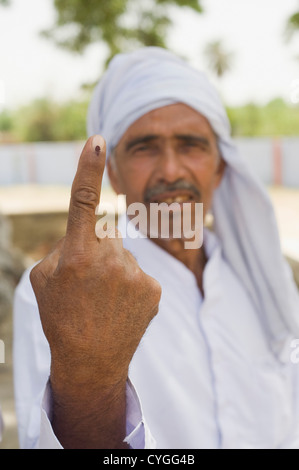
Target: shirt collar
{"points": [[149, 254]]}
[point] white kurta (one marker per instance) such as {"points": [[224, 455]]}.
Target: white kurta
{"points": [[203, 371]]}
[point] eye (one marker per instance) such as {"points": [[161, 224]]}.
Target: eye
{"points": [[145, 149], [191, 145], [142, 148]]}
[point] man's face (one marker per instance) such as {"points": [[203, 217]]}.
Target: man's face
{"points": [[168, 155]]}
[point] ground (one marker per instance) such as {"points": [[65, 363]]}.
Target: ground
{"points": [[38, 219]]}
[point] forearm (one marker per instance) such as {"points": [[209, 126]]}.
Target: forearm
{"points": [[90, 418]]}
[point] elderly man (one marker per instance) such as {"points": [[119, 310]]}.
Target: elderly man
{"points": [[106, 356]]}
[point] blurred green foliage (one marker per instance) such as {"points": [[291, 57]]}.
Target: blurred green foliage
{"points": [[292, 24], [276, 118], [46, 120], [119, 24]]}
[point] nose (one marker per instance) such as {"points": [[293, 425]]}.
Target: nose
{"points": [[171, 167]]}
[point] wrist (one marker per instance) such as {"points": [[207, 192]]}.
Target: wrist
{"points": [[85, 383], [90, 417]]}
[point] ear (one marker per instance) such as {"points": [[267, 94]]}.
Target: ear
{"points": [[113, 176], [220, 172]]}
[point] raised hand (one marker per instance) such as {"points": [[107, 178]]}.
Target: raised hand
{"points": [[95, 304]]}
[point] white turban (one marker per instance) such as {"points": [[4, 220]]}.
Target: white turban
{"points": [[244, 221]]}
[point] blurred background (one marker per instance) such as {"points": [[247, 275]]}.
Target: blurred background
{"points": [[54, 51]]}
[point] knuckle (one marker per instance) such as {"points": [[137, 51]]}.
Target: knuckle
{"points": [[136, 275], [85, 196], [33, 275], [37, 276], [155, 290], [148, 286]]}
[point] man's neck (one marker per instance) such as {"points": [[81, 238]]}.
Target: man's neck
{"points": [[195, 260]]}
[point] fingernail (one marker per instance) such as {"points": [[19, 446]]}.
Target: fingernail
{"points": [[98, 144]]}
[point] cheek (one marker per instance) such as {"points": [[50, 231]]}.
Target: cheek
{"points": [[205, 173], [133, 183], [207, 181]]}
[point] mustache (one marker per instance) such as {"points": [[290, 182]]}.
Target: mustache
{"points": [[167, 188]]}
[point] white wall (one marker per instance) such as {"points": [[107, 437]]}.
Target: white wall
{"points": [[258, 153], [290, 170], [55, 163]]}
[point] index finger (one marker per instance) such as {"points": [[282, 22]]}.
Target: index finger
{"points": [[86, 191]]}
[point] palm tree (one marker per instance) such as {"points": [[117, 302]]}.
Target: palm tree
{"points": [[219, 60]]}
